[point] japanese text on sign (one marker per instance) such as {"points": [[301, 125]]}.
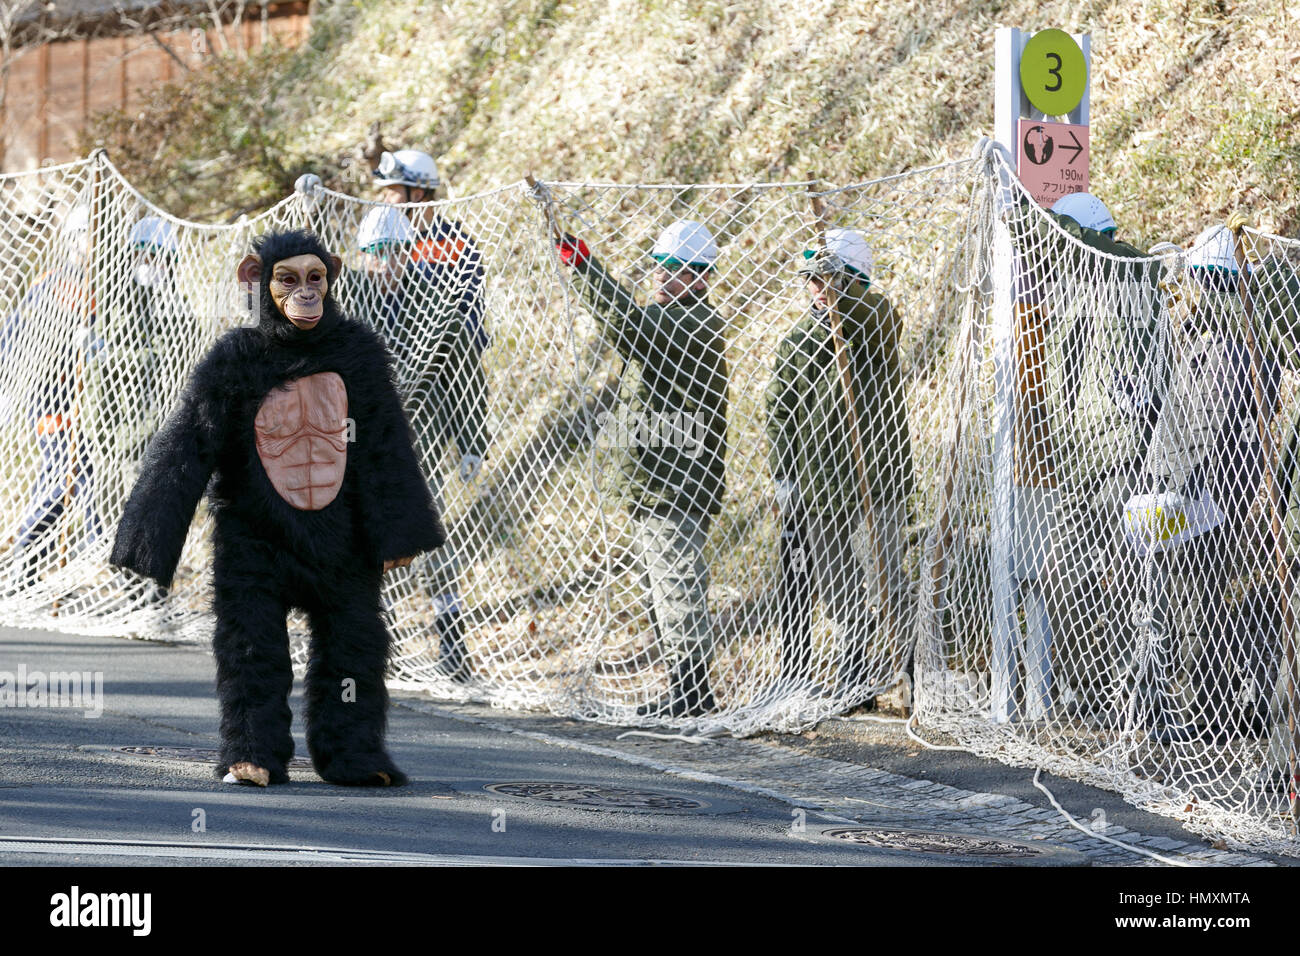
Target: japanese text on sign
{"points": [[1053, 159]]}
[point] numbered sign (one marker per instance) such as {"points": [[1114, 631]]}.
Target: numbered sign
{"points": [[1039, 79], [1042, 77], [1053, 72]]}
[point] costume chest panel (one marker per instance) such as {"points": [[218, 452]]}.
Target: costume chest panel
{"points": [[301, 430]]}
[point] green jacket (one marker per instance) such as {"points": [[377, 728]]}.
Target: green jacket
{"points": [[673, 424], [1275, 298], [807, 424], [1274, 288], [439, 370], [1037, 241]]}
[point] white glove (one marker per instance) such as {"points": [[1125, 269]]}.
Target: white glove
{"points": [[787, 492], [307, 184], [470, 466]]}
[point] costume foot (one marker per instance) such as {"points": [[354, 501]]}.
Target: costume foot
{"points": [[260, 773], [361, 770], [246, 772]]}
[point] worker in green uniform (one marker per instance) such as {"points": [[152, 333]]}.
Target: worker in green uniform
{"points": [[1204, 467], [672, 430], [828, 448], [1099, 300], [1273, 287]]}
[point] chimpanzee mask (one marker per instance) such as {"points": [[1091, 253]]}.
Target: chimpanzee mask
{"points": [[295, 276]]}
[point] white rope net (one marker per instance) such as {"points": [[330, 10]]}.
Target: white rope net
{"points": [[724, 504], [1107, 580]]}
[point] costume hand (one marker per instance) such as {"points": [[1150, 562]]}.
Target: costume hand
{"points": [[573, 252], [470, 466], [307, 184], [1237, 221], [397, 563]]}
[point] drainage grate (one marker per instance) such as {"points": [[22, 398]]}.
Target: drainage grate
{"points": [[926, 841], [596, 797], [195, 755]]}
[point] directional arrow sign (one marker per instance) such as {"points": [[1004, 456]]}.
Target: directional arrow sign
{"points": [[1077, 148], [1052, 159]]}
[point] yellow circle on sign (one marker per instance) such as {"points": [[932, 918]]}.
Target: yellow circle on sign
{"points": [[1053, 72]]}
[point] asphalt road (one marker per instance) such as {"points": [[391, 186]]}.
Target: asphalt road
{"points": [[68, 797], [69, 794]]}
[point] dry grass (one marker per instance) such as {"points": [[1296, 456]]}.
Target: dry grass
{"points": [[1193, 100]]}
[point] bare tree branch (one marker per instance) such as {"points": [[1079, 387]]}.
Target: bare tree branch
{"points": [[373, 147], [215, 12], [166, 48]]}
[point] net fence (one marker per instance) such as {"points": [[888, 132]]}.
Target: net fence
{"points": [[1046, 479], [1108, 592]]}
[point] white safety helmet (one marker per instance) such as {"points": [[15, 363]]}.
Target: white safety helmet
{"points": [[845, 249], [1087, 210], [74, 235], [384, 226], [1213, 249], [686, 242], [407, 167], [152, 232], [78, 221]]}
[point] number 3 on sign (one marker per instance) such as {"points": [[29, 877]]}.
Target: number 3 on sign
{"points": [[1053, 72]]}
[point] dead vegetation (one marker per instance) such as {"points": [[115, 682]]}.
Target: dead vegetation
{"points": [[1193, 101]]}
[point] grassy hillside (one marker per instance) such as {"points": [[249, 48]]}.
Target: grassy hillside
{"points": [[1195, 102]]}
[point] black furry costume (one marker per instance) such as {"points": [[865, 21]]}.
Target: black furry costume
{"points": [[270, 556]]}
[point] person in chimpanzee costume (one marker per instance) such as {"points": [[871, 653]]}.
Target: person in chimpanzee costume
{"points": [[315, 493]]}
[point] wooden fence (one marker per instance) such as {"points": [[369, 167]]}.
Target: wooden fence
{"points": [[54, 88]]}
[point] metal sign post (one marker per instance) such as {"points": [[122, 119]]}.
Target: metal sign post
{"points": [[1035, 72]]}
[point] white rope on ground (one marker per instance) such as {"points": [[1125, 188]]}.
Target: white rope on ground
{"points": [[1069, 819], [701, 738], [925, 743], [1141, 851]]}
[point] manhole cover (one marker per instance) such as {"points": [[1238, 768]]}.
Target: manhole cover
{"points": [[195, 755], [597, 797], [924, 841]]}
